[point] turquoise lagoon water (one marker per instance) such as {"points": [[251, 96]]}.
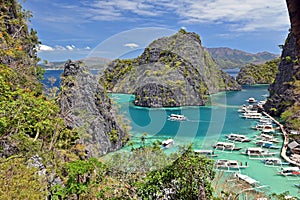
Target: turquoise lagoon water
{"points": [[205, 126]]}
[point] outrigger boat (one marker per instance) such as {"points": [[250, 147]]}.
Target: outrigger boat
{"points": [[176, 117], [251, 115], [257, 152], [266, 137], [229, 165], [226, 146], [274, 161], [289, 171], [206, 152], [266, 144], [237, 137]]}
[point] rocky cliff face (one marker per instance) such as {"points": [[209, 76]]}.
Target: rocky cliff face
{"points": [[258, 74], [86, 108], [284, 92], [172, 71]]}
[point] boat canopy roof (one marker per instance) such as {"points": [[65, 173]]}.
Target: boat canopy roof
{"points": [[246, 178]]}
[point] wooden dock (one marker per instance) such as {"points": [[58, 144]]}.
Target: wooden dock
{"points": [[285, 142]]}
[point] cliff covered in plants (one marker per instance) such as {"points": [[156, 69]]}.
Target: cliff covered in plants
{"points": [[258, 74], [172, 71], [284, 97], [86, 108]]}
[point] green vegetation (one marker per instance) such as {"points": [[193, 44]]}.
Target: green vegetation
{"points": [[258, 74]]}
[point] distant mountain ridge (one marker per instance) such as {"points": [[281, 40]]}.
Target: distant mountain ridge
{"points": [[227, 58]]}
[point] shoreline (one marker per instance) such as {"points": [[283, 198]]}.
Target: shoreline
{"points": [[285, 141]]}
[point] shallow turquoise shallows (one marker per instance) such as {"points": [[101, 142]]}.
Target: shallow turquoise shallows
{"points": [[206, 125]]}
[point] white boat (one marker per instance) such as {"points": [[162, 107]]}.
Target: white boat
{"points": [[251, 100], [247, 179], [237, 137], [274, 161], [229, 164], [206, 152], [289, 171], [226, 146], [167, 143], [266, 137], [249, 108], [252, 115], [257, 152], [265, 127], [266, 144], [265, 120], [261, 126], [176, 117], [261, 103]]}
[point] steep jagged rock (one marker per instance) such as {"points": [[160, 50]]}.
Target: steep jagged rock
{"points": [[258, 74], [87, 108], [178, 63], [155, 95], [283, 93]]}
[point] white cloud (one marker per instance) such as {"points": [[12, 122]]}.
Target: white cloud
{"points": [[43, 47], [87, 48], [131, 45], [58, 47], [70, 47], [239, 15]]}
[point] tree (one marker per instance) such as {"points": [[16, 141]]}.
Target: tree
{"points": [[188, 177]]}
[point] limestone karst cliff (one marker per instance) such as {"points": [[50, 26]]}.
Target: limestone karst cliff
{"points": [[172, 71], [285, 91], [87, 108]]}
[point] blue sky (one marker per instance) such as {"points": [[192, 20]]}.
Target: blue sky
{"points": [[112, 28]]}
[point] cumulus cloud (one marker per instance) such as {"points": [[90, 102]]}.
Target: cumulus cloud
{"points": [[240, 15], [131, 45], [70, 47], [43, 47]]}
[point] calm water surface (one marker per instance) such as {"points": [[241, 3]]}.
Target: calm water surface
{"points": [[205, 126]]}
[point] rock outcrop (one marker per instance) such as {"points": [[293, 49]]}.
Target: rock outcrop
{"points": [[284, 92], [258, 74], [178, 65], [86, 108]]}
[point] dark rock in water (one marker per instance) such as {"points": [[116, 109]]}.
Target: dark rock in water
{"points": [[155, 95], [177, 63], [282, 92], [86, 107]]}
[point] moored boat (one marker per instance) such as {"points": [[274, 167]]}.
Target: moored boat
{"points": [[237, 137], [226, 146], [257, 152], [229, 164], [251, 115], [289, 171], [266, 144], [205, 152], [266, 137], [274, 161]]}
